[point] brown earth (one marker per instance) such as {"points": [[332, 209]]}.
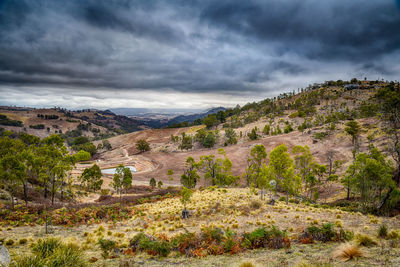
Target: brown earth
{"points": [[165, 154]]}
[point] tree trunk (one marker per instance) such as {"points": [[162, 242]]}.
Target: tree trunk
{"points": [[53, 191], [12, 199], [387, 195], [45, 189], [348, 190], [287, 197], [25, 186]]}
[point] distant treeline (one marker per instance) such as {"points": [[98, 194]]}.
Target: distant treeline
{"points": [[48, 117], [4, 120]]}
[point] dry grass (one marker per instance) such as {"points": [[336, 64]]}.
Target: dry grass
{"points": [[365, 240], [348, 252], [247, 264]]}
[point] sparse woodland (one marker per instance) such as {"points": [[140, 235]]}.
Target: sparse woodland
{"points": [[340, 207]]}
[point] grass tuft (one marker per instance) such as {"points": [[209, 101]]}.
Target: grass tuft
{"points": [[365, 240], [247, 264], [348, 252], [383, 231]]}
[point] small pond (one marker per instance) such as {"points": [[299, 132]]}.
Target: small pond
{"points": [[112, 170]]}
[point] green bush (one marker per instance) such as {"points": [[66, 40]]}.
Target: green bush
{"points": [[324, 233], [212, 233], [28, 261], [9, 242], [67, 255], [365, 240], [346, 235], [23, 241], [45, 247], [261, 237], [106, 246], [394, 234], [383, 231], [152, 247], [51, 252]]}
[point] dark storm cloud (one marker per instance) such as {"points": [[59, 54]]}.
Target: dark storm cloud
{"points": [[318, 29], [230, 48]]}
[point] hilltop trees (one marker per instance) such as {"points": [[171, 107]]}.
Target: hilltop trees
{"points": [[91, 178], [142, 145], [211, 121]]}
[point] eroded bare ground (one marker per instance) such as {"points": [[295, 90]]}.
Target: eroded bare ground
{"points": [[166, 155]]}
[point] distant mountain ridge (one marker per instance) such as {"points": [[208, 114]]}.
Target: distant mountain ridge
{"points": [[193, 117], [142, 112]]}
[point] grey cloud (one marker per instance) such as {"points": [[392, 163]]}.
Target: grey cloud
{"points": [[229, 48]]}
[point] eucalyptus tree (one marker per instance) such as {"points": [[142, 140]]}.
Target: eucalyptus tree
{"points": [[12, 169], [389, 105], [91, 178], [283, 169], [217, 170], [190, 175], [122, 179], [257, 158]]}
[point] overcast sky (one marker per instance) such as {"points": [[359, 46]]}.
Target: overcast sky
{"points": [[188, 54]]}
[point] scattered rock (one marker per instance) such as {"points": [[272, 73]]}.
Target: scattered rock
{"points": [[4, 256]]}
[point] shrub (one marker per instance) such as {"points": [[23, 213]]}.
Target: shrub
{"points": [[150, 245], [9, 242], [52, 252], [320, 135], [394, 235], [28, 261], [23, 241], [255, 204], [346, 235], [212, 233], [247, 264], [67, 255], [185, 242], [262, 237], [45, 247], [365, 240], [383, 231], [324, 233], [106, 246]]}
